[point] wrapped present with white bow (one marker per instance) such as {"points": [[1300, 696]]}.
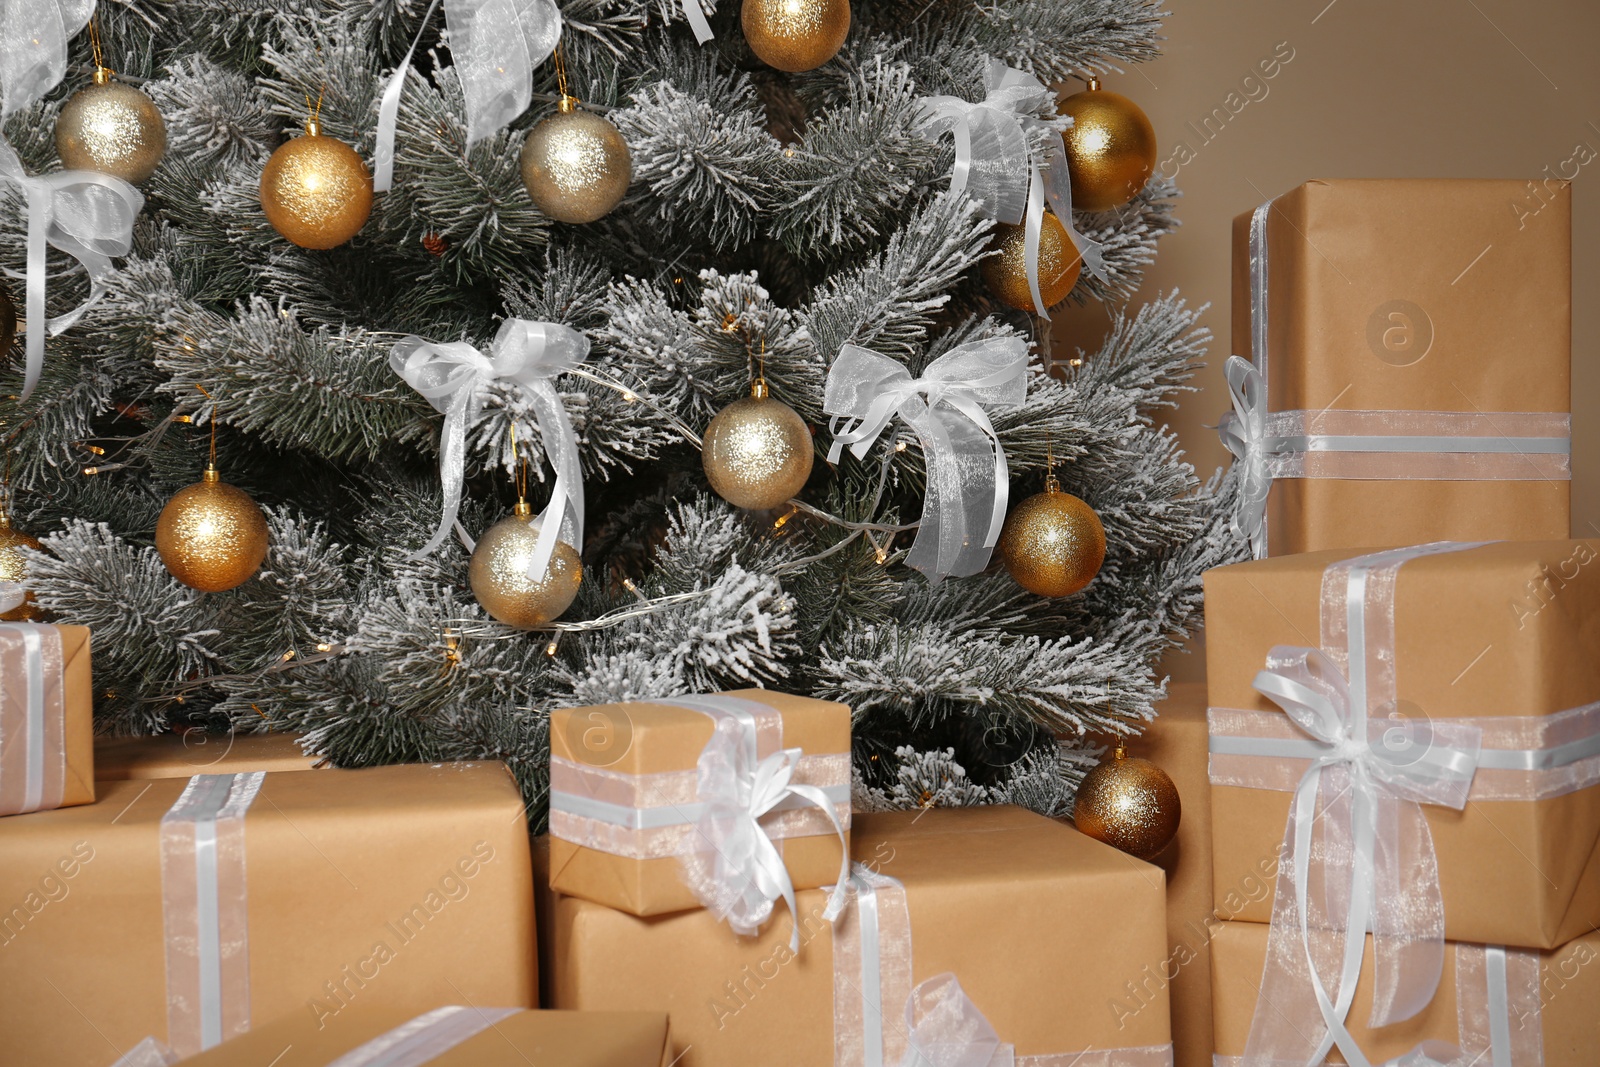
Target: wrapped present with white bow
{"points": [[1496, 1007], [46, 718], [971, 937], [731, 801], [188, 911], [1403, 367]]}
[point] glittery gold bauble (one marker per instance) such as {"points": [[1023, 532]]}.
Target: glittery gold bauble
{"points": [[13, 568], [757, 451], [795, 35], [316, 191], [112, 128], [1130, 804], [1053, 543], [211, 535], [1111, 148], [499, 573], [8, 321], [1007, 270], [576, 165]]}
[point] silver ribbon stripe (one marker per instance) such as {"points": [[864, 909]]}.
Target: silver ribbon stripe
{"points": [[33, 761]]}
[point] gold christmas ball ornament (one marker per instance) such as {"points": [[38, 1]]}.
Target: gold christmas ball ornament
{"points": [[1053, 543], [8, 321], [111, 128], [795, 35], [211, 535], [757, 451], [1006, 270], [1111, 148], [316, 191], [576, 164], [1129, 804], [14, 569], [499, 573]]}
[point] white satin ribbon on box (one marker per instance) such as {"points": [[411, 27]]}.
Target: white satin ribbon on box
{"points": [[33, 751], [147, 1053], [85, 214], [994, 166], [204, 910], [968, 481], [1367, 445], [33, 48], [425, 1038], [454, 377]]}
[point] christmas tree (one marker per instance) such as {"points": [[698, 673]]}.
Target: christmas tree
{"points": [[772, 220]]}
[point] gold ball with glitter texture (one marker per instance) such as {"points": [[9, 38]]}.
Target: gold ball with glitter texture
{"points": [[1111, 148], [1006, 271], [499, 573], [576, 165], [795, 35], [316, 191], [757, 451], [1130, 804], [13, 568], [1053, 543], [211, 535], [111, 128]]}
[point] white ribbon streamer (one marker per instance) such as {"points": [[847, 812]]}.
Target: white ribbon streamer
{"points": [[389, 112], [697, 20], [454, 378], [83, 213], [968, 481], [994, 166], [495, 44], [33, 48]]}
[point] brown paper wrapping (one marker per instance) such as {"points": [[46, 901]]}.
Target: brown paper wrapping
{"points": [[1496, 289], [1497, 631], [77, 698], [197, 752], [565, 1038], [1569, 988], [999, 896], [337, 865], [654, 738]]}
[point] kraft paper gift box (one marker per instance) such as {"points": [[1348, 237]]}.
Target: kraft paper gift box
{"points": [[1414, 337], [187, 910], [1549, 1017], [46, 718], [451, 1036], [629, 807], [1055, 940], [191, 752], [1487, 652]]}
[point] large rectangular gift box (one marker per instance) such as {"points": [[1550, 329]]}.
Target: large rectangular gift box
{"points": [[1443, 718], [183, 755], [1404, 370], [186, 910], [46, 718], [994, 922], [643, 794], [1495, 1007], [381, 1035]]}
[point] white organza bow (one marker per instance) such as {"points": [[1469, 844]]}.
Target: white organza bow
{"points": [[944, 1028], [968, 482], [1243, 432], [744, 873], [494, 44], [1374, 867], [994, 166], [33, 48], [83, 213], [454, 377]]}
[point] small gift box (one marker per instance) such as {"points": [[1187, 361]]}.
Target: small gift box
{"points": [[46, 718], [191, 752], [952, 917], [187, 910], [1403, 368], [1495, 1007], [729, 801]]}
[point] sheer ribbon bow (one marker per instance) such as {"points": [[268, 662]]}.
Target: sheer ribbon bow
{"points": [[33, 48], [994, 166], [454, 376], [944, 1028], [968, 482], [1243, 431]]}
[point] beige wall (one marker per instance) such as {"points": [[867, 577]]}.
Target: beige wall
{"points": [[1375, 88]]}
